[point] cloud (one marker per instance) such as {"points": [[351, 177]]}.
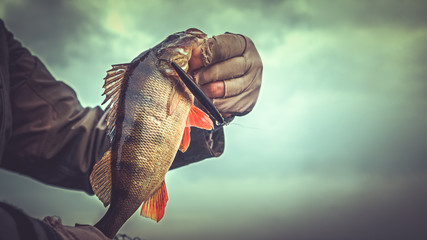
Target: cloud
{"points": [[383, 13]]}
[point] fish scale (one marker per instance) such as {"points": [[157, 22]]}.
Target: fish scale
{"points": [[148, 122]]}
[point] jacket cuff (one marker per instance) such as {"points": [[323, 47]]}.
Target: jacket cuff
{"points": [[204, 144]]}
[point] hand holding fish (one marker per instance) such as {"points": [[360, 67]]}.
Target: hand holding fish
{"points": [[228, 68]]}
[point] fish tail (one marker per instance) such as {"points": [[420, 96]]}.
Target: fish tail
{"points": [[112, 221]]}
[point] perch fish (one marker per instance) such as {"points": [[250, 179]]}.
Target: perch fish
{"points": [[150, 113]]}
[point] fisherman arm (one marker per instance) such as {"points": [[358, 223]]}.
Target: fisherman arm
{"points": [[53, 138]]}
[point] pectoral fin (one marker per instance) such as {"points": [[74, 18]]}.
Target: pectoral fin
{"points": [[185, 141], [100, 178], [196, 118], [154, 207], [174, 99]]}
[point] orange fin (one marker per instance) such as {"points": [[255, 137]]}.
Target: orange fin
{"points": [[154, 207], [100, 178], [198, 118], [185, 141], [112, 86]]}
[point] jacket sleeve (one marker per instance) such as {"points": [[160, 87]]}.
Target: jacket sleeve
{"points": [[57, 141]]}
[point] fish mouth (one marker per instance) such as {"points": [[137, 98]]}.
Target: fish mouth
{"points": [[178, 48]]}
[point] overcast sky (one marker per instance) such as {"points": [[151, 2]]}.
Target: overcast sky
{"points": [[336, 147]]}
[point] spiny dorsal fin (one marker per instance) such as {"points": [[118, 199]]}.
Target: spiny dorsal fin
{"points": [[154, 207], [112, 86], [196, 118], [100, 178]]}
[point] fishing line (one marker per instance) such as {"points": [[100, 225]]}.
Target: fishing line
{"points": [[244, 126]]}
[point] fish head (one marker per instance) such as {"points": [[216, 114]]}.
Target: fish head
{"points": [[178, 48]]}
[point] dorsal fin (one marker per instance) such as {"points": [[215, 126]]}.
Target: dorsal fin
{"points": [[113, 84]]}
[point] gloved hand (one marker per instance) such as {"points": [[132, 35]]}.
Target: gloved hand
{"points": [[15, 224], [230, 72]]}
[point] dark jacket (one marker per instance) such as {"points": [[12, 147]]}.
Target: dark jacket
{"points": [[44, 131]]}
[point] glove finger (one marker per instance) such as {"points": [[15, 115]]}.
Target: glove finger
{"points": [[235, 86], [238, 105], [250, 80], [242, 103], [231, 68], [223, 47], [214, 89]]}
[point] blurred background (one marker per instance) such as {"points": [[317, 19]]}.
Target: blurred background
{"points": [[336, 147]]}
